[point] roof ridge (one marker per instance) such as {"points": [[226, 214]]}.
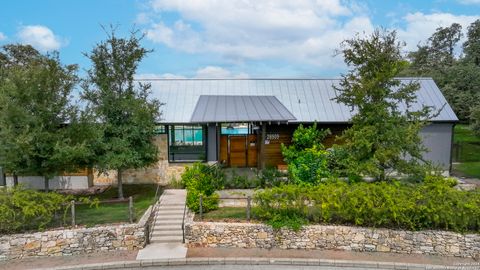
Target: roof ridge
{"points": [[265, 79]]}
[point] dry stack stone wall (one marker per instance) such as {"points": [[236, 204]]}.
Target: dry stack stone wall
{"points": [[75, 241], [246, 235]]}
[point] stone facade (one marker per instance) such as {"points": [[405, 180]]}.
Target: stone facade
{"points": [[75, 241], [161, 172], [248, 235]]}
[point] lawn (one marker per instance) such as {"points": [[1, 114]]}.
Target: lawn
{"points": [[466, 153], [230, 214], [143, 196]]}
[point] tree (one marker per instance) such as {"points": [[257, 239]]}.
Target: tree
{"points": [[125, 114], [471, 47], [383, 138], [35, 113]]}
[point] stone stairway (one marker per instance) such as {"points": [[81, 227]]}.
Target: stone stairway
{"points": [[167, 223]]}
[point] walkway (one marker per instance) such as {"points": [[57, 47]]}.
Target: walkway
{"points": [[167, 235]]}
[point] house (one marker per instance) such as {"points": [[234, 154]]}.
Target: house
{"points": [[243, 122]]}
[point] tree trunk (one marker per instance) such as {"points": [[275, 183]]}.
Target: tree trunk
{"points": [[46, 180], [120, 186], [15, 179]]}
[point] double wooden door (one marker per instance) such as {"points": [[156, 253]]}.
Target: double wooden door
{"points": [[239, 150]]}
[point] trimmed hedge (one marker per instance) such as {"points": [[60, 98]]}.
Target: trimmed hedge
{"points": [[434, 204]]}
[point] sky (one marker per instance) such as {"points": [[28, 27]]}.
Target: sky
{"points": [[229, 38]]}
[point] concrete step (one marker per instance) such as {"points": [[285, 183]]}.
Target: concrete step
{"points": [[169, 212], [167, 233], [158, 228], [160, 216], [171, 208], [168, 222], [166, 239]]}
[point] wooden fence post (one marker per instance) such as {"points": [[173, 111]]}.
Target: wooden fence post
{"points": [[130, 209], [72, 208], [201, 207], [249, 206]]}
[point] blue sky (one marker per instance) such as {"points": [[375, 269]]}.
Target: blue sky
{"points": [[230, 38]]}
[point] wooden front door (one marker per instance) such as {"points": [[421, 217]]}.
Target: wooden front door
{"points": [[238, 150]]}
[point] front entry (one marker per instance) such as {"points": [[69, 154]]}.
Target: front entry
{"points": [[238, 150]]}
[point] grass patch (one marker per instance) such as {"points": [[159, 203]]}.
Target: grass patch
{"points": [[467, 152], [464, 134], [225, 214], [468, 169], [143, 196]]}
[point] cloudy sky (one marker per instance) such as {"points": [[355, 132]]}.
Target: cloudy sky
{"points": [[226, 38]]}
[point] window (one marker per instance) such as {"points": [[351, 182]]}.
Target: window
{"points": [[236, 129], [187, 143], [161, 129]]}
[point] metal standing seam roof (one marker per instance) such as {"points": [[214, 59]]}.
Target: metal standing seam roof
{"points": [[218, 109], [308, 100]]}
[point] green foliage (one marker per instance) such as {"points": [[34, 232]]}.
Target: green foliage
{"points": [[202, 179], [457, 76], [381, 134], [475, 120], [433, 204], [271, 177], [306, 157], [23, 209], [126, 114], [241, 181], [35, 93]]}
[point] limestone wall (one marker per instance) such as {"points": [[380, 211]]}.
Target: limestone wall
{"points": [[161, 172], [247, 235], [75, 241]]}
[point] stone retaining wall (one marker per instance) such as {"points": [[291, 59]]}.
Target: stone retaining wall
{"points": [[75, 241], [247, 235]]}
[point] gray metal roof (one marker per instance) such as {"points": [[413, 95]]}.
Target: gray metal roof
{"points": [[218, 109], [309, 100]]}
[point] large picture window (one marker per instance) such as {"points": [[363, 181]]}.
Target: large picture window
{"points": [[187, 143]]}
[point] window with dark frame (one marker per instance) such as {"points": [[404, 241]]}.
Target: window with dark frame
{"points": [[186, 143]]}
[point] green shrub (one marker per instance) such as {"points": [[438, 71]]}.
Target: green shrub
{"points": [[306, 157], [271, 177], [24, 209], [202, 179], [434, 204]]}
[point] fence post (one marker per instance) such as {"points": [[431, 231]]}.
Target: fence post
{"points": [[201, 207], [72, 208], [249, 206], [130, 209]]}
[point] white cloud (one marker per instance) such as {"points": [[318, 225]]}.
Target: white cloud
{"points": [[208, 72], [40, 37], [150, 76], [303, 31], [419, 26], [2, 36], [214, 72], [469, 2]]}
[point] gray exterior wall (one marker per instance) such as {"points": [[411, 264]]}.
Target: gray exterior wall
{"points": [[212, 144], [437, 137]]}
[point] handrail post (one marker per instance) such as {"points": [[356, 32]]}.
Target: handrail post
{"points": [[130, 209], [183, 223], [249, 205], [201, 207], [72, 208]]}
